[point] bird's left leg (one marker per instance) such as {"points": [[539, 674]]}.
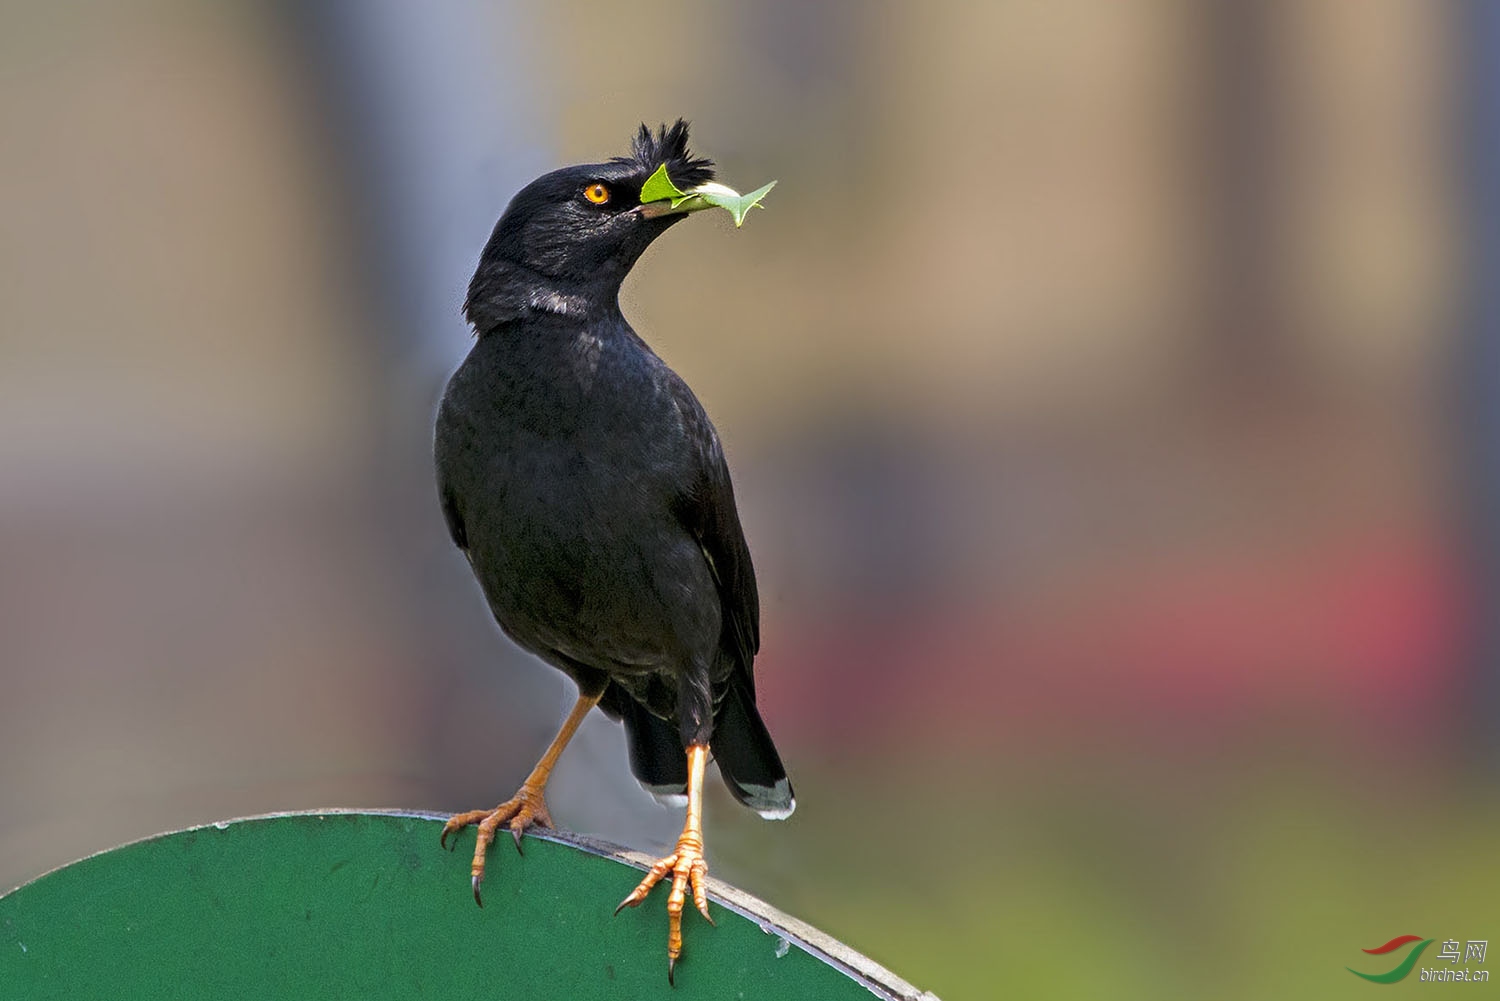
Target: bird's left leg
{"points": [[527, 808], [687, 865]]}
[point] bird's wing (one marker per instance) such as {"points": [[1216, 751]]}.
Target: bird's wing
{"points": [[449, 439], [452, 516], [708, 511]]}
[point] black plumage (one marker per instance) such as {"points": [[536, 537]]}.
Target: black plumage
{"points": [[588, 489]]}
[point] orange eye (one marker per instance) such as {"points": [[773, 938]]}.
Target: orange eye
{"points": [[596, 193]]}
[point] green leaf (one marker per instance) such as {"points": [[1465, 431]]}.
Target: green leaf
{"points": [[659, 187], [733, 202]]}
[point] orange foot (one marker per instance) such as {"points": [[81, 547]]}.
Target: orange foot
{"points": [[686, 864], [525, 809], [689, 870]]}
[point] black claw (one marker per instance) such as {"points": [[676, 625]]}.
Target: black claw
{"points": [[671, 968], [477, 899], [515, 832], [443, 840], [620, 907]]}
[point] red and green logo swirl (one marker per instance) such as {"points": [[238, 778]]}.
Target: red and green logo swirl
{"points": [[1402, 968]]}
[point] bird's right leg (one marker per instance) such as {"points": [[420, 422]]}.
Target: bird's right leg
{"points": [[527, 808], [686, 865]]}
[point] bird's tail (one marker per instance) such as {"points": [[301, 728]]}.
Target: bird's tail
{"points": [[741, 745], [657, 759], [747, 757]]}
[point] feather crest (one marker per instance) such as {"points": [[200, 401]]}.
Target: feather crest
{"points": [[668, 146]]}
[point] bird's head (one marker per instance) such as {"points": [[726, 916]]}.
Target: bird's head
{"points": [[566, 240]]}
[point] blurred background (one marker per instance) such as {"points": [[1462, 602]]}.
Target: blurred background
{"points": [[1110, 390]]}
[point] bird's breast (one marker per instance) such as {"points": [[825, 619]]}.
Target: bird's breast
{"points": [[565, 477]]}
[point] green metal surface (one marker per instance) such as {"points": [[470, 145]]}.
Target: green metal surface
{"points": [[365, 905]]}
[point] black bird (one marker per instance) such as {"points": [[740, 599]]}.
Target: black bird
{"points": [[588, 489]]}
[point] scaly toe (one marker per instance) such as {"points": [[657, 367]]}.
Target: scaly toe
{"points": [[458, 822], [525, 809], [689, 874]]}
